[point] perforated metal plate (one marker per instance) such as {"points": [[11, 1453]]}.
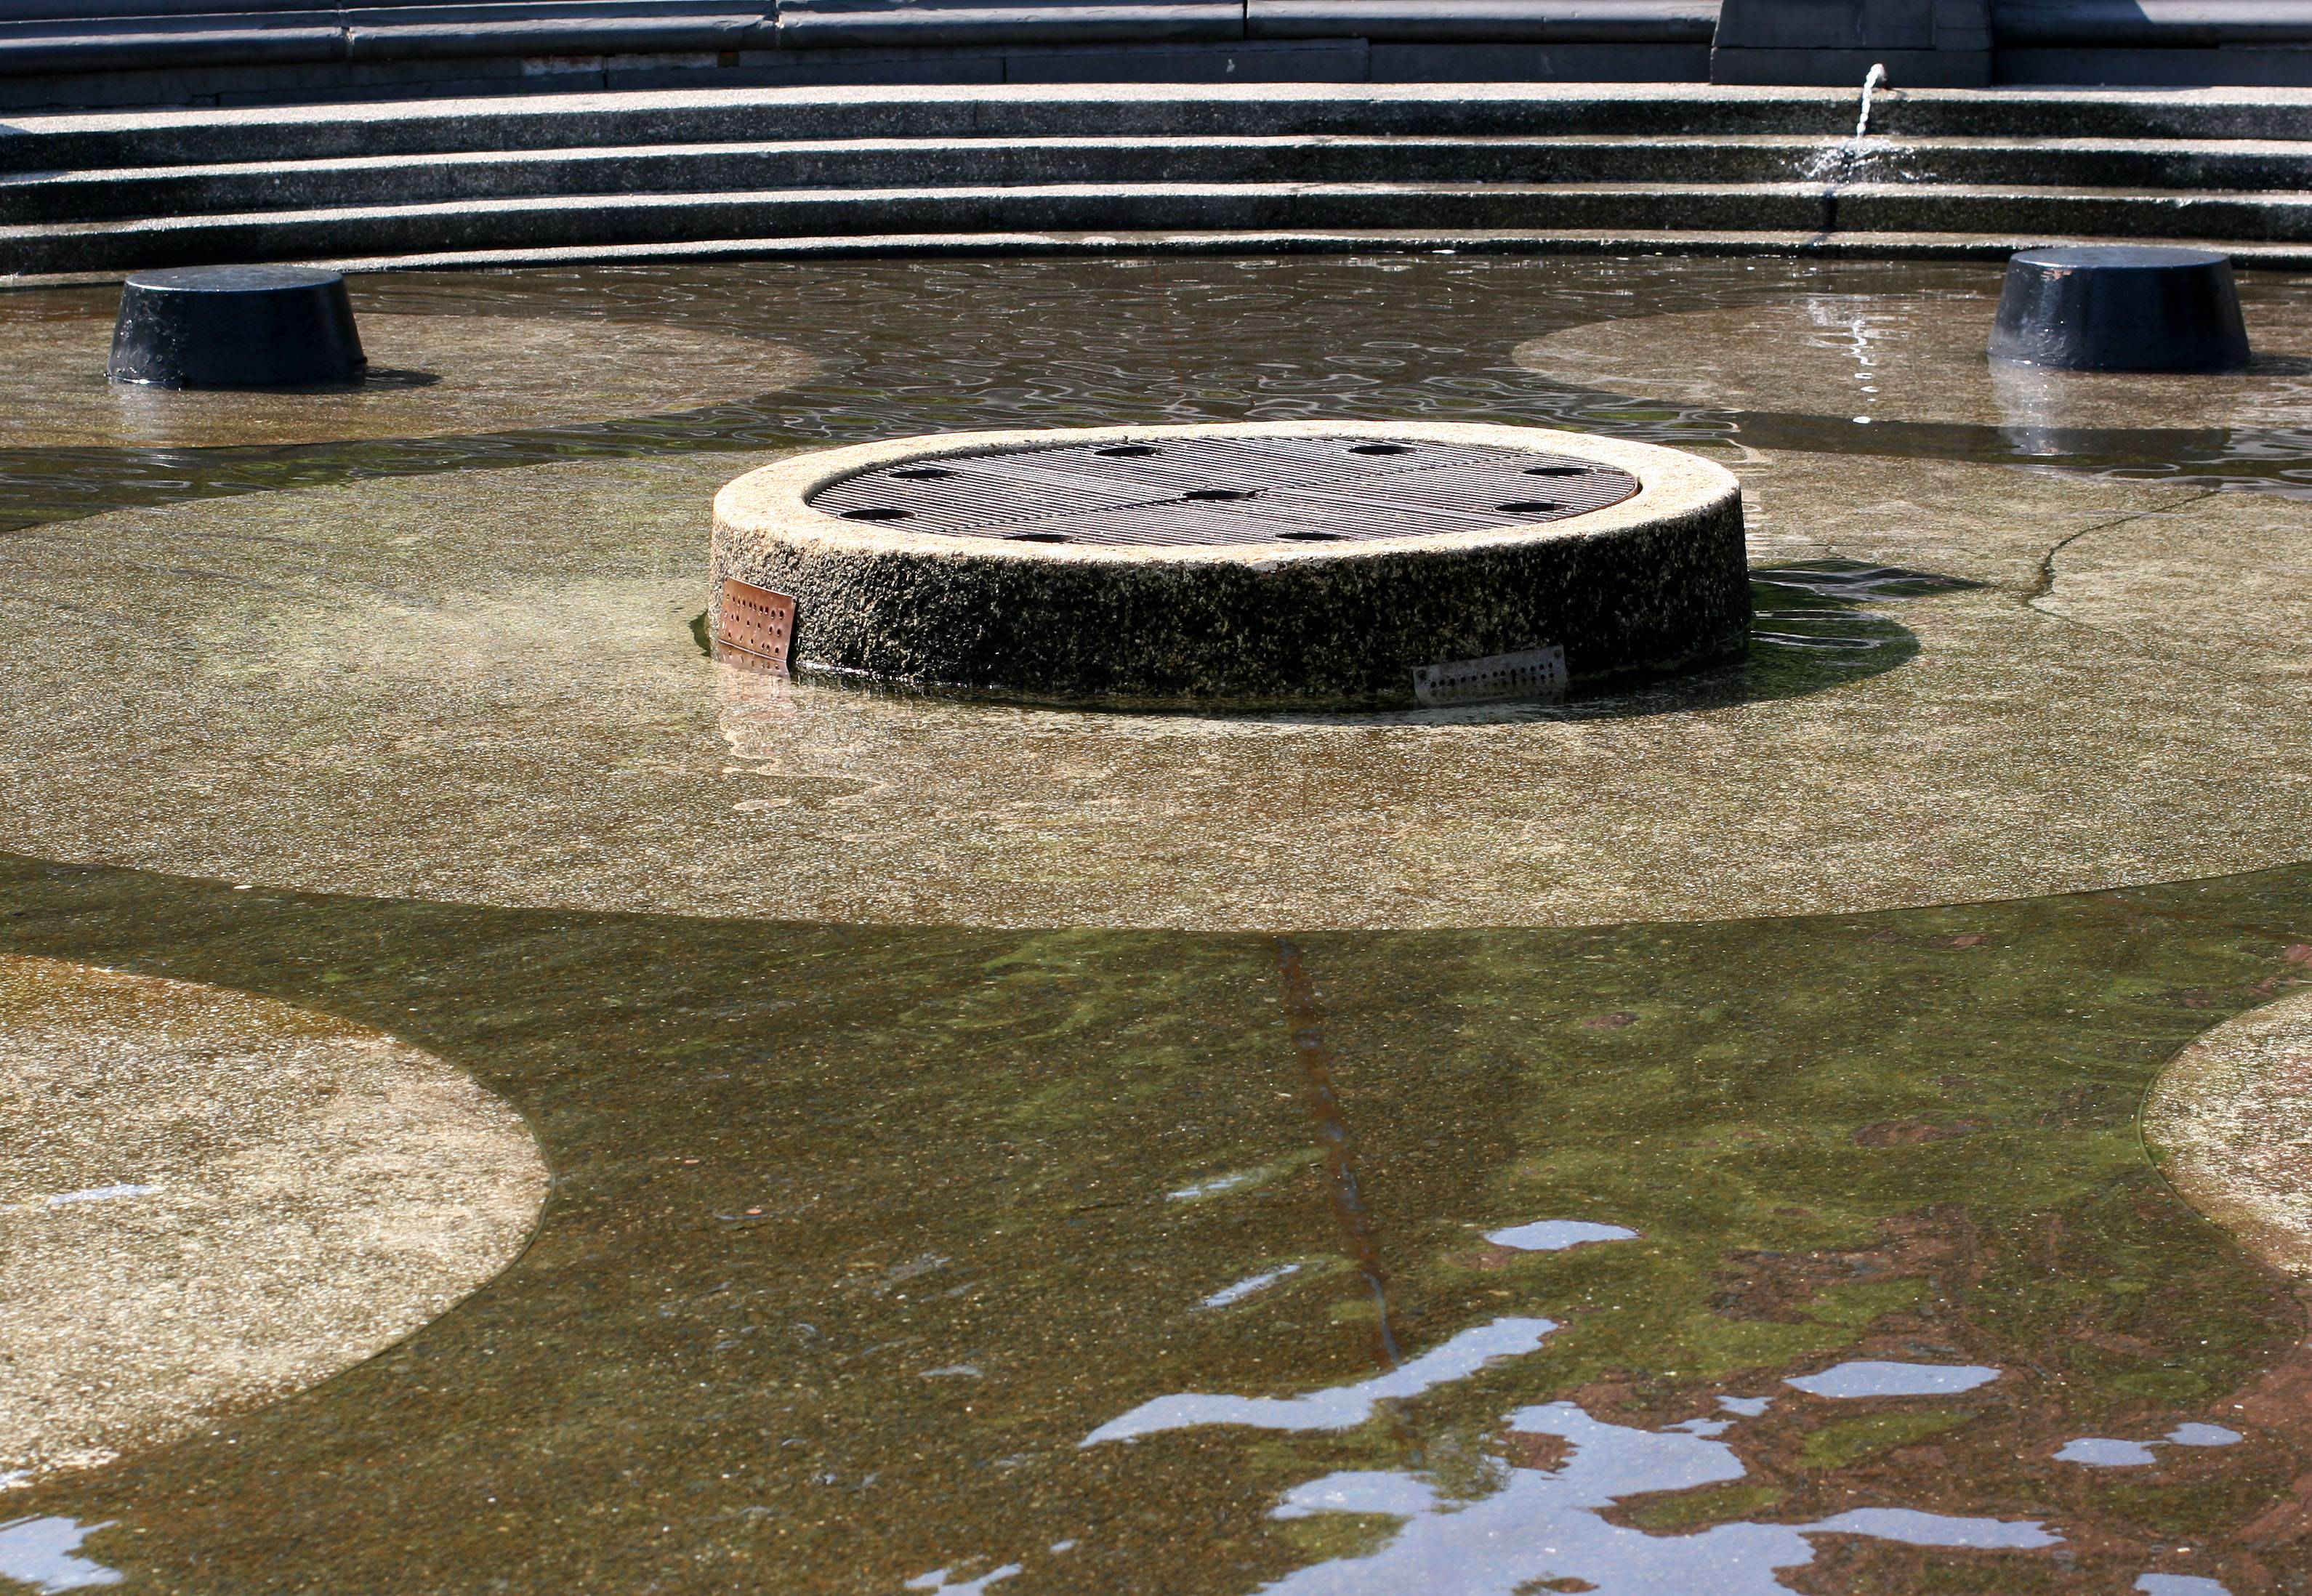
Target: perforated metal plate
{"points": [[1227, 490], [756, 620]]}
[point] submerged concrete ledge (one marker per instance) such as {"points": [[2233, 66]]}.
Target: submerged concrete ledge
{"points": [[213, 1199], [2230, 1120]]}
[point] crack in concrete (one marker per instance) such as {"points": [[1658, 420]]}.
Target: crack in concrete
{"points": [[2045, 582]]}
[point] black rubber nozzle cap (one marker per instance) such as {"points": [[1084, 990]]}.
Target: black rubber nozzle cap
{"points": [[235, 326], [2121, 308]]}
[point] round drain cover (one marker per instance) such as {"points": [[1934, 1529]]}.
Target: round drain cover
{"points": [[1282, 561], [1169, 492]]}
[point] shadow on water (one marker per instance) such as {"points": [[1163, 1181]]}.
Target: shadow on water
{"points": [[875, 1253], [1808, 634]]}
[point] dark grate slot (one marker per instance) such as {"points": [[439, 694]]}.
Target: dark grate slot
{"points": [[965, 501], [1227, 490]]}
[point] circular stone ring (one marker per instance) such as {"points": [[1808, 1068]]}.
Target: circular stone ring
{"points": [[1281, 562]]}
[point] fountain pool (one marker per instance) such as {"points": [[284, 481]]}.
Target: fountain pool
{"points": [[1687, 1136]]}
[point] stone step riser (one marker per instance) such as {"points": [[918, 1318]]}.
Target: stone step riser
{"points": [[91, 196], [608, 221], [96, 144]]}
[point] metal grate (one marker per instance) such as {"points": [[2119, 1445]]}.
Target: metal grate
{"points": [[1227, 490]]}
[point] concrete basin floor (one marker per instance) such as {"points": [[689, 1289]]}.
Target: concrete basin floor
{"points": [[1686, 1139]]}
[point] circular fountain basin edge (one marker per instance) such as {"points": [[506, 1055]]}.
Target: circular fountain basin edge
{"points": [[1654, 582]]}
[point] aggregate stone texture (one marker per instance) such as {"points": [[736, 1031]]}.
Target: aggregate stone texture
{"points": [[1654, 583], [429, 375], [2230, 1123], [210, 1199], [488, 687], [1920, 359]]}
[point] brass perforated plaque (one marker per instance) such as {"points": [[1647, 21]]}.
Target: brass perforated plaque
{"points": [[755, 622]]}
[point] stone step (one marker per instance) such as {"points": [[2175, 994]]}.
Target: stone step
{"points": [[2237, 167], [595, 222], [77, 53], [1372, 240], [625, 120], [90, 142]]}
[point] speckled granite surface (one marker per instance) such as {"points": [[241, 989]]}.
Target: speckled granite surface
{"points": [[1652, 583]]}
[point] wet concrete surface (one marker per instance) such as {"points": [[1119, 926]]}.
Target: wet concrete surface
{"points": [[1007, 1149], [486, 687]]}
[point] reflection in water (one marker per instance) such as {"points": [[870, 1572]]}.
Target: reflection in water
{"points": [[1556, 1235], [40, 1553], [1248, 1286], [936, 1582], [857, 1232], [914, 347], [101, 1194], [1212, 1187], [2101, 1451], [1344, 1406], [2032, 407], [1537, 1525], [2202, 1436], [1873, 1378], [1851, 327], [1337, 1145], [1854, 581], [2104, 1452]]}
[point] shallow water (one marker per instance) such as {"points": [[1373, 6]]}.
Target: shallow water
{"points": [[1729, 1254], [934, 345], [863, 1257]]}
